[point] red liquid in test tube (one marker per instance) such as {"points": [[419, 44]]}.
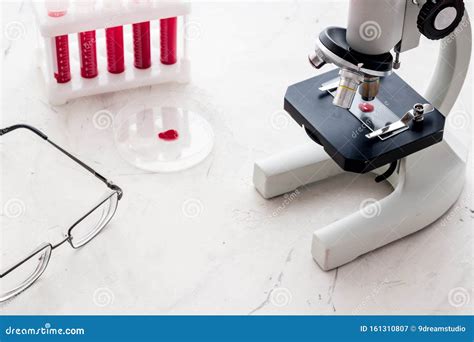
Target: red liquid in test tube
{"points": [[88, 54], [59, 44], [115, 54], [168, 39], [62, 67], [141, 45]]}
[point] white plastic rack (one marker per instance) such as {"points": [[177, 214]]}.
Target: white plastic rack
{"points": [[98, 18]]}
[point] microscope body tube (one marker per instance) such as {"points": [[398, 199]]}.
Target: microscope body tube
{"points": [[375, 26]]}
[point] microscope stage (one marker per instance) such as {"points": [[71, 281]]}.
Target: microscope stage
{"points": [[343, 136]]}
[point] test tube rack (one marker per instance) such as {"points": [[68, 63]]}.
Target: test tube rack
{"points": [[98, 19]]}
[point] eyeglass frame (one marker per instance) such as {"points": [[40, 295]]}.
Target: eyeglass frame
{"points": [[116, 190]]}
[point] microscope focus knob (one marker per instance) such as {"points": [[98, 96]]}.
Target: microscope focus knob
{"points": [[439, 18]]}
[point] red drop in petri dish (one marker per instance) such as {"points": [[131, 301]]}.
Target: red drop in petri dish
{"points": [[169, 135]]}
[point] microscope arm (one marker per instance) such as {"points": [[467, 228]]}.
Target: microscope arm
{"points": [[451, 68]]}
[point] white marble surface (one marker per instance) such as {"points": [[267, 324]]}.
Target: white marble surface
{"points": [[239, 254]]}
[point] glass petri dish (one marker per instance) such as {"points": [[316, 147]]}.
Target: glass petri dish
{"points": [[157, 135]]}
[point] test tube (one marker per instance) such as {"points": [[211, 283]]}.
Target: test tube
{"points": [[88, 54], [59, 44], [114, 43], [141, 45], [141, 40], [87, 44], [168, 40], [115, 53]]}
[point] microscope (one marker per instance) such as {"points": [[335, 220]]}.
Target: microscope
{"points": [[362, 117]]}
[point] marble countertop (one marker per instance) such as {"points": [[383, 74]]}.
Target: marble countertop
{"points": [[203, 241]]}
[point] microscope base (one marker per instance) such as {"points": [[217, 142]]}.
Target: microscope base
{"points": [[291, 169], [426, 185]]}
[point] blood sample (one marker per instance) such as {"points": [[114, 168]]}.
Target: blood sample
{"points": [[141, 39], [59, 44], [141, 45], [88, 54], [114, 42], [366, 107], [168, 32], [169, 135], [62, 67], [115, 54], [87, 43]]}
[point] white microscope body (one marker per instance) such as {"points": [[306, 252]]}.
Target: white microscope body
{"points": [[426, 183]]}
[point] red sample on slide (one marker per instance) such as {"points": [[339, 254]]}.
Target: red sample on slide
{"points": [[366, 107]]}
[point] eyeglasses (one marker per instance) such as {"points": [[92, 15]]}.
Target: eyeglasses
{"points": [[22, 275]]}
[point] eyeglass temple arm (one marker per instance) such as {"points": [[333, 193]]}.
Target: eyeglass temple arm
{"points": [[108, 183]]}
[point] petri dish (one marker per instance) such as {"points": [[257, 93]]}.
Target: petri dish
{"points": [[159, 135]]}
